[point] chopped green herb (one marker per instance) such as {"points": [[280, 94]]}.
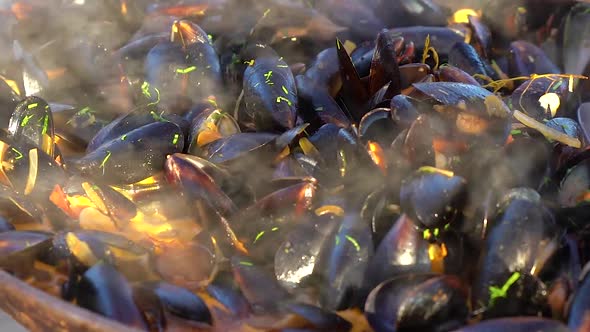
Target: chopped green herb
{"points": [[158, 117], [106, 158], [496, 292], [258, 236], [281, 98], [186, 70], [556, 85], [157, 98], [45, 124], [354, 242], [19, 155], [145, 89], [268, 76], [26, 120]]}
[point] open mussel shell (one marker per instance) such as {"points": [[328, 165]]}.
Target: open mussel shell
{"points": [[262, 226], [32, 121], [343, 263], [377, 126], [176, 72], [407, 250], [317, 106], [432, 198], [471, 112], [520, 242], [86, 248], [135, 119], [418, 302], [209, 126], [225, 290], [19, 250], [231, 148], [381, 210], [297, 256], [75, 127], [353, 92], [196, 183], [104, 290], [115, 162], [169, 262], [259, 287], [384, 66], [543, 97], [50, 312], [28, 170], [270, 94], [177, 300]]}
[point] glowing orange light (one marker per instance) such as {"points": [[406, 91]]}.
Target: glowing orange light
{"points": [[21, 10], [437, 253], [444, 146], [584, 197], [378, 156], [509, 139], [470, 124], [209, 135], [185, 10], [284, 154], [329, 209], [304, 198], [124, 8], [55, 72]]}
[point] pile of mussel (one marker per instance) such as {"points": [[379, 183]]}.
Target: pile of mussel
{"points": [[286, 165]]}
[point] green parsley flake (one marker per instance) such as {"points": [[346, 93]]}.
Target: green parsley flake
{"points": [[26, 120], [496, 292], [354, 242], [281, 98], [106, 158], [186, 70], [19, 155]]}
